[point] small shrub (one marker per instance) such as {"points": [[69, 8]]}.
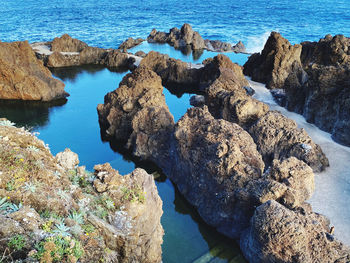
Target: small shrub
{"points": [[62, 230], [59, 249], [133, 194], [17, 242], [77, 217], [7, 123], [88, 228]]}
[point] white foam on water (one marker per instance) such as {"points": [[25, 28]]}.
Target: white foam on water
{"points": [[256, 43], [332, 186]]}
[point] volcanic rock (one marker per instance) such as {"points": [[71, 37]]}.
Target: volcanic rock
{"points": [[23, 76]]}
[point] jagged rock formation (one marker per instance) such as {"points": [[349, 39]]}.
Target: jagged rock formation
{"points": [[314, 76], [66, 51], [23, 76], [130, 43], [187, 37], [49, 204], [217, 155], [278, 234]]}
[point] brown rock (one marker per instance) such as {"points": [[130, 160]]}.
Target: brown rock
{"points": [[278, 137], [66, 43], [278, 234], [275, 62], [130, 43], [23, 76]]}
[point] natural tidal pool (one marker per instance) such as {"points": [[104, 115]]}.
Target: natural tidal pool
{"points": [[74, 124]]}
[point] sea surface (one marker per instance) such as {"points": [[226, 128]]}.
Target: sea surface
{"points": [[106, 24]]}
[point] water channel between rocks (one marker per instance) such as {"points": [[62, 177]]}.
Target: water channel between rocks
{"points": [[74, 124], [187, 238]]}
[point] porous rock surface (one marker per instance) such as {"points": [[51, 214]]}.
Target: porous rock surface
{"points": [[66, 51], [278, 234], [187, 37], [102, 216], [23, 76], [220, 163], [314, 77]]}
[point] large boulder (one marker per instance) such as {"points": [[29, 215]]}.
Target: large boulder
{"points": [[23, 76], [178, 38], [278, 137], [278, 234], [276, 61], [66, 43]]}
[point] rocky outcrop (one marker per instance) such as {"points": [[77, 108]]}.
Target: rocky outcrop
{"points": [[66, 51], [278, 137], [137, 112], [130, 43], [314, 77], [278, 234], [276, 61], [23, 76], [187, 37], [66, 43], [49, 203]]}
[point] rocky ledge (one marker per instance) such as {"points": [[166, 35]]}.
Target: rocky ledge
{"points": [[66, 51], [24, 77], [314, 78], [52, 210], [187, 37], [231, 159]]}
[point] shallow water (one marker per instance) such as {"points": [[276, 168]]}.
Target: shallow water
{"points": [[332, 187]]}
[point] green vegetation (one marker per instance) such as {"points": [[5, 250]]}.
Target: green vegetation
{"points": [[59, 249], [133, 194], [17, 242], [77, 217], [88, 229]]}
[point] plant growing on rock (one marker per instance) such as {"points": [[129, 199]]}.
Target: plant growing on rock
{"points": [[61, 230], [133, 194], [77, 217], [59, 249], [17, 242]]}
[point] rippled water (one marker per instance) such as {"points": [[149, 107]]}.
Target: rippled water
{"points": [[106, 23]]}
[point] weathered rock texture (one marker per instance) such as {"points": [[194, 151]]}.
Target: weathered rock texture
{"points": [[100, 216], [66, 51], [278, 234], [137, 112], [23, 76], [130, 43], [187, 37], [217, 154], [315, 78]]}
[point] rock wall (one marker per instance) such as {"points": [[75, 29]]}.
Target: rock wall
{"points": [[23, 76], [315, 78], [52, 210]]}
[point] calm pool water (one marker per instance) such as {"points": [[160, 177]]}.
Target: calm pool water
{"points": [[74, 124]]}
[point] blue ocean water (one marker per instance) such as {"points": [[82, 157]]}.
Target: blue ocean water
{"points": [[106, 23]]}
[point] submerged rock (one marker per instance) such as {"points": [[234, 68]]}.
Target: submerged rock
{"points": [[23, 76]]}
